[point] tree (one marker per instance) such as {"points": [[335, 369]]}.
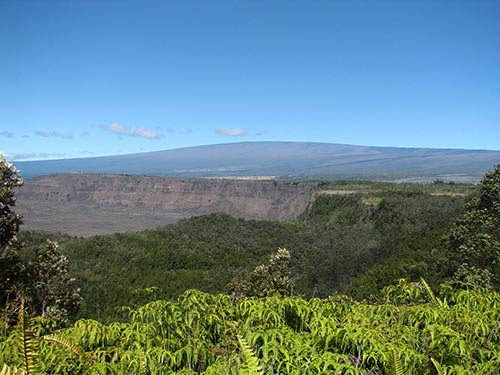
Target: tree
{"points": [[9, 220], [43, 282], [474, 241], [52, 294], [266, 280], [11, 267]]}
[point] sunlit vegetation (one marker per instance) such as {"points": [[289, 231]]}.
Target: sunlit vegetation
{"points": [[372, 280], [414, 330]]}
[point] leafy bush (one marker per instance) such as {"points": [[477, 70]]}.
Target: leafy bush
{"points": [[207, 334]]}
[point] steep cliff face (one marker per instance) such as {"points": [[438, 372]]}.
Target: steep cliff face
{"points": [[249, 199]]}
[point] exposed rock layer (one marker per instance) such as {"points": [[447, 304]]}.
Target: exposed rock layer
{"points": [[169, 197]]}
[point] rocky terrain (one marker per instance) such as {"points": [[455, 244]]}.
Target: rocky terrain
{"points": [[87, 204]]}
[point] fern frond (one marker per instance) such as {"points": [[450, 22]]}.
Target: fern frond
{"points": [[438, 367], [252, 362], [28, 343], [6, 370], [69, 344], [395, 366], [436, 301]]}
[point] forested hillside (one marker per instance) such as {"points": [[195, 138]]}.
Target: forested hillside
{"points": [[355, 237]]}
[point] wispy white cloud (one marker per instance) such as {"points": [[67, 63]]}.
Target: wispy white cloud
{"points": [[44, 134], [114, 128], [7, 134], [235, 132], [144, 133], [134, 132]]}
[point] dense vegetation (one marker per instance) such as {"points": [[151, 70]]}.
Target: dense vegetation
{"points": [[377, 243], [356, 243], [413, 332], [40, 274]]}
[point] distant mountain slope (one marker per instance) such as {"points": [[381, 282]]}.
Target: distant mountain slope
{"points": [[283, 159]]}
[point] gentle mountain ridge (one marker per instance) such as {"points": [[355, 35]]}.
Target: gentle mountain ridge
{"points": [[298, 160]]}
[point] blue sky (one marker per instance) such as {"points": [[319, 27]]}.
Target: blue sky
{"points": [[90, 78]]}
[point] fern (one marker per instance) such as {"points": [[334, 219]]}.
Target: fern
{"points": [[28, 343], [330, 332], [395, 366], [431, 294], [252, 362], [6, 370], [438, 367], [69, 344]]}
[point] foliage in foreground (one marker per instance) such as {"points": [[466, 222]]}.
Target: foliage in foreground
{"points": [[414, 332]]}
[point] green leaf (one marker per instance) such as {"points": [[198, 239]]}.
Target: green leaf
{"points": [[252, 362], [28, 343], [395, 366]]}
